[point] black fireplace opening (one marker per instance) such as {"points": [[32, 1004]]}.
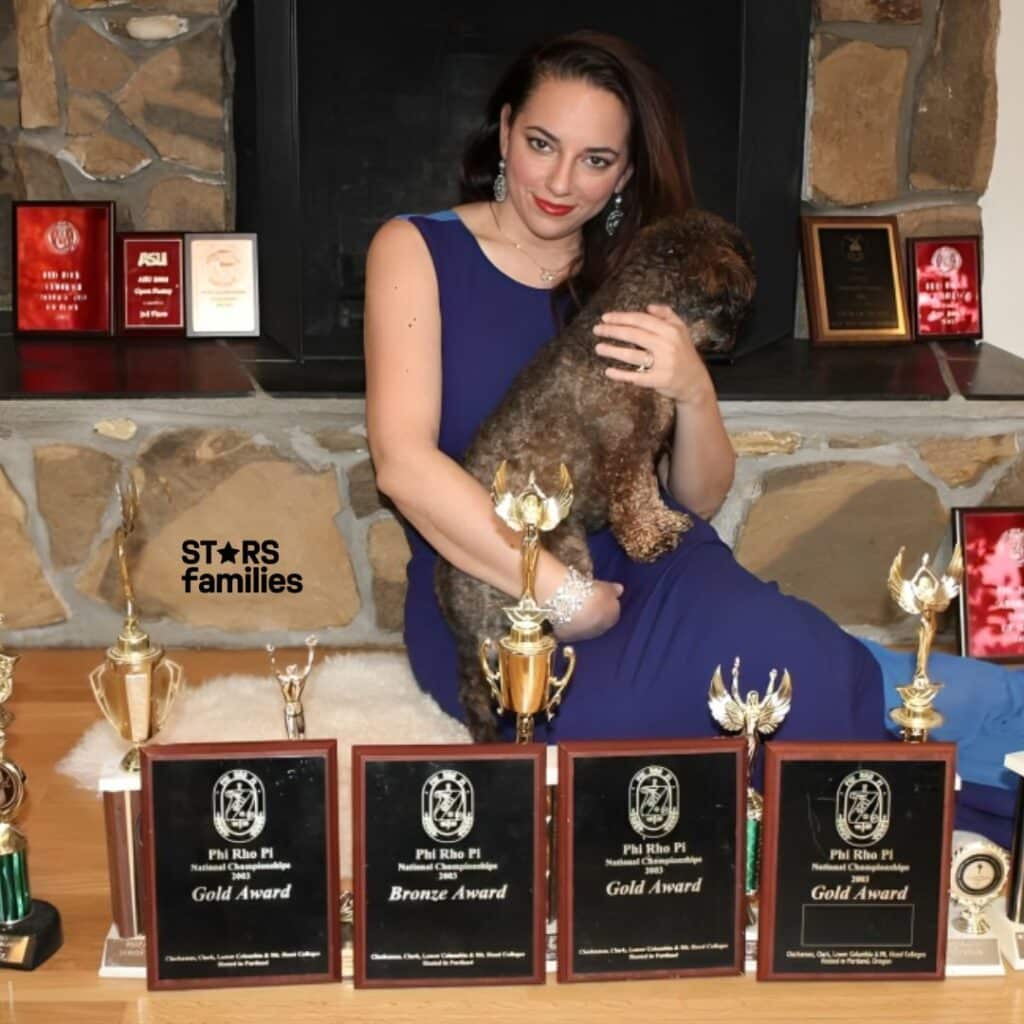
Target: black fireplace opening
{"points": [[346, 115]]}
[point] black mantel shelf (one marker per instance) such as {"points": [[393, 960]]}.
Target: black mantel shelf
{"points": [[790, 370]]}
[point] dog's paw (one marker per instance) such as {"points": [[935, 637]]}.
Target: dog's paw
{"points": [[654, 535]]}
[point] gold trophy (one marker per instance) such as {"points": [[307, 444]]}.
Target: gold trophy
{"points": [[924, 594], [30, 930], [754, 718], [523, 681], [136, 685], [292, 680]]}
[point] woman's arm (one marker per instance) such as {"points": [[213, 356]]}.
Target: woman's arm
{"points": [[450, 508], [702, 462]]}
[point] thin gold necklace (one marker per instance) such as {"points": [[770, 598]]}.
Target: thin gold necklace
{"points": [[547, 274]]}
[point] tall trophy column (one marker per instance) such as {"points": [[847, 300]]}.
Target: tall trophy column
{"points": [[30, 930], [134, 687], [754, 717]]}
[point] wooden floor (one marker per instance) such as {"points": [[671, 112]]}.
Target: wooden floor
{"points": [[53, 704]]}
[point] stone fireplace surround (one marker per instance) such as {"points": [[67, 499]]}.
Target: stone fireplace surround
{"points": [[844, 456]]}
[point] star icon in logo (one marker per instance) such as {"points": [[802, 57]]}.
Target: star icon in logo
{"points": [[228, 553]]}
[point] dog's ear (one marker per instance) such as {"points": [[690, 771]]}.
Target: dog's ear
{"points": [[728, 274]]}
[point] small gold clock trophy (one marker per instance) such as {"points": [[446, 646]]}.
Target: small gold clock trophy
{"points": [[30, 930], [292, 680], [135, 688], [523, 681], [754, 718], [924, 594]]}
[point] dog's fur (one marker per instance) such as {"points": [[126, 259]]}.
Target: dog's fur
{"points": [[562, 408]]}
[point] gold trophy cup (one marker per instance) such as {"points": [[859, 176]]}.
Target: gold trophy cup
{"points": [[924, 594], [523, 681], [754, 718], [136, 684]]}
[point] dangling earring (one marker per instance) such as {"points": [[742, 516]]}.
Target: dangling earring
{"points": [[501, 184], [615, 215]]}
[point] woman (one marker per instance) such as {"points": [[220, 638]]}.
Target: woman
{"points": [[580, 147]]}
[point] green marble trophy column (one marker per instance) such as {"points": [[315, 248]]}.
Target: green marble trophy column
{"points": [[30, 931]]}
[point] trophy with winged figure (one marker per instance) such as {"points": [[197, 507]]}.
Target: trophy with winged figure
{"points": [[924, 594], [523, 681], [754, 718]]}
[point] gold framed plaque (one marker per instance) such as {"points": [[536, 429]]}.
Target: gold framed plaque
{"points": [[222, 284], [854, 281]]}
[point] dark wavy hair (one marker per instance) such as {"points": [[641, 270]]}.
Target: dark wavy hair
{"points": [[660, 184]]}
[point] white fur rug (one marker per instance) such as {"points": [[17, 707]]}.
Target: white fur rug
{"points": [[355, 698]]}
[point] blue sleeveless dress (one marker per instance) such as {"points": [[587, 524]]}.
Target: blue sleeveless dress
{"points": [[688, 612]]}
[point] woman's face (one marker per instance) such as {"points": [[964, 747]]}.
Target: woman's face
{"points": [[565, 154]]}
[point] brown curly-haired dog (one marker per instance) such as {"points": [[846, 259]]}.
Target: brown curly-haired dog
{"points": [[562, 408]]}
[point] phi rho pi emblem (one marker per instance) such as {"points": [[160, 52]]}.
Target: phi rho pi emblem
{"points": [[863, 808], [239, 805], [447, 806], [653, 801]]}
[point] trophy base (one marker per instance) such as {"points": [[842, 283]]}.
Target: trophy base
{"points": [[30, 942], [1010, 935], [971, 956], [123, 957]]}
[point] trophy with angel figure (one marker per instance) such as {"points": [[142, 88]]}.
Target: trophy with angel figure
{"points": [[523, 681], [924, 594], [754, 718]]}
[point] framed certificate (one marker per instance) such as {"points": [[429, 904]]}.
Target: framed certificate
{"points": [[241, 863], [151, 284], [856, 860], [945, 286], [222, 285], [63, 268], [854, 281], [991, 599]]}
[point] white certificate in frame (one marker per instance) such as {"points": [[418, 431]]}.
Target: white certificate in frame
{"points": [[222, 275]]}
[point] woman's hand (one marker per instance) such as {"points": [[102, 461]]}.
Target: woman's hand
{"points": [[665, 358], [599, 613]]}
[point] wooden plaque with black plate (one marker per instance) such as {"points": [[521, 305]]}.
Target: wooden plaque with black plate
{"points": [[855, 881], [651, 858], [449, 864], [241, 863]]}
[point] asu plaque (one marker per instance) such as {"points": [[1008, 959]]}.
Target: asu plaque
{"points": [[449, 865], [651, 858], [857, 847], [151, 293], [63, 278], [241, 864]]}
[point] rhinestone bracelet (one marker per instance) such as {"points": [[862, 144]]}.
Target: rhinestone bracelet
{"points": [[570, 597]]}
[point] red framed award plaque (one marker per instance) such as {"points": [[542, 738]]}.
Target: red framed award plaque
{"points": [[151, 292], [63, 262], [991, 601], [945, 286]]}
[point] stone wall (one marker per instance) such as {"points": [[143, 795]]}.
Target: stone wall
{"points": [[825, 495], [106, 99], [903, 110]]}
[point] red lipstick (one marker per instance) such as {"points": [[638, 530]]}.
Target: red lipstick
{"points": [[552, 209]]}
